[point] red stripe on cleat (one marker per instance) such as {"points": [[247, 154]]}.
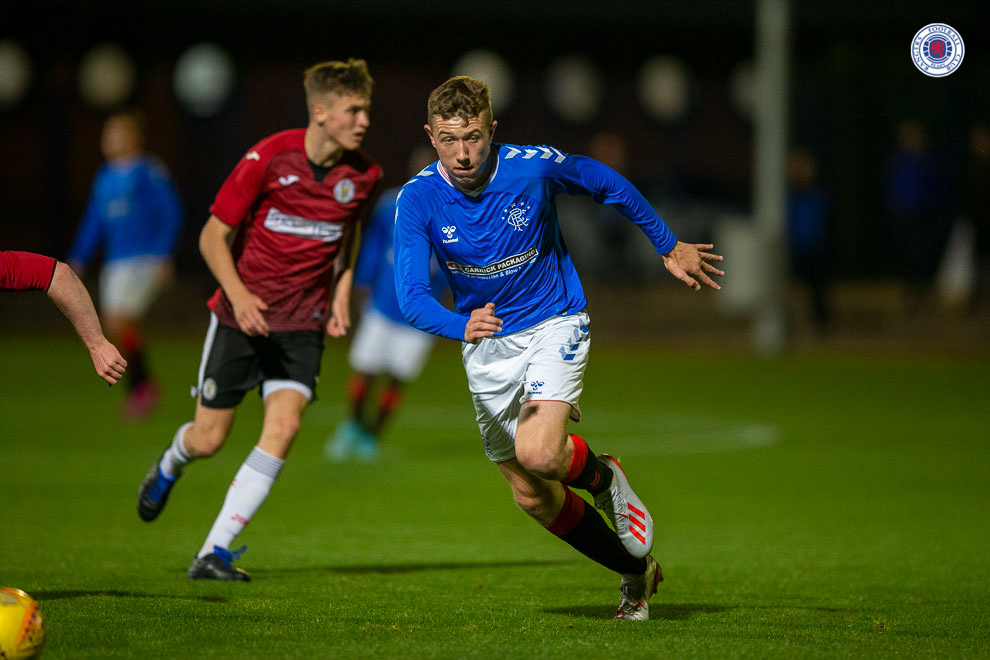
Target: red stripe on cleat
{"points": [[638, 523], [639, 513], [637, 535]]}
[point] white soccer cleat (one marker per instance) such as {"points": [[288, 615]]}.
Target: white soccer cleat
{"points": [[636, 591], [631, 520]]}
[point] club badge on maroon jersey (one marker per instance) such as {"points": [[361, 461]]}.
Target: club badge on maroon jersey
{"points": [[343, 191]]}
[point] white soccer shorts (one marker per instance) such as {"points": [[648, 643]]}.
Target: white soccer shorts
{"points": [[383, 346], [543, 363], [129, 286]]}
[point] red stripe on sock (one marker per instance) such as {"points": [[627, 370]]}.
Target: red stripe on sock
{"points": [[357, 387], [578, 460], [570, 514], [130, 340], [389, 398]]}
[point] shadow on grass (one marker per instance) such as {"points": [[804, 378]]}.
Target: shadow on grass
{"points": [[113, 593], [391, 569], [661, 611]]}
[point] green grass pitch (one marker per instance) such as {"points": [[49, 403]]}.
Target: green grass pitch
{"points": [[806, 507]]}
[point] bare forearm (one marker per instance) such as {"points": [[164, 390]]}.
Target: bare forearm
{"points": [[71, 296], [215, 247]]}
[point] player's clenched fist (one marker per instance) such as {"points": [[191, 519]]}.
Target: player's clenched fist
{"points": [[483, 323]]}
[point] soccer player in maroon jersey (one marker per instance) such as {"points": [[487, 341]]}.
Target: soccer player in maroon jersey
{"points": [[27, 271], [278, 240]]}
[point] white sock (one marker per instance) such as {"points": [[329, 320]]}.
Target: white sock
{"points": [[176, 457], [244, 497]]}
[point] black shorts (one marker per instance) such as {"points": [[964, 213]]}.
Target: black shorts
{"points": [[234, 363]]}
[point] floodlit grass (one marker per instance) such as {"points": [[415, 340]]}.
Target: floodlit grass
{"points": [[806, 507]]}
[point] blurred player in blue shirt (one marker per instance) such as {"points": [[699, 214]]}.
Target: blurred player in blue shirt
{"points": [[134, 215], [807, 232], [487, 211], [384, 344]]}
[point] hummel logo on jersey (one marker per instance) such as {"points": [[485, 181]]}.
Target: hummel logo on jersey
{"points": [[536, 386], [449, 231], [252, 155], [288, 180]]}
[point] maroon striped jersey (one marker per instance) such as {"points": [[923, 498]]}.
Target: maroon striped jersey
{"points": [[25, 271], [292, 221]]}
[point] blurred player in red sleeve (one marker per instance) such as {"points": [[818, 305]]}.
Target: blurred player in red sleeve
{"points": [[279, 242], [27, 271]]}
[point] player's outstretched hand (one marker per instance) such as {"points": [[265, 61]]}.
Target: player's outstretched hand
{"points": [[483, 323], [249, 312], [687, 259], [109, 363]]}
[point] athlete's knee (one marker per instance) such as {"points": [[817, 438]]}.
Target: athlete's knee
{"points": [[204, 440], [542, 459], [282, 426]]}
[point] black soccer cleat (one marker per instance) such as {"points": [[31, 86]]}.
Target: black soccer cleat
{"points": [[216, 566], [153, 492]]}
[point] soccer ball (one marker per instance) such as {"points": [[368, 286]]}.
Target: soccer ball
{"points": [[22, 632]]}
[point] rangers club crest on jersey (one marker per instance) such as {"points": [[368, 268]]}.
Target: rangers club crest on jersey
{"points": [[343, 192], [515, 215], [937, 50]]}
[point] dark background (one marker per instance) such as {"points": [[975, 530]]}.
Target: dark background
{"points": [[852, 79]]}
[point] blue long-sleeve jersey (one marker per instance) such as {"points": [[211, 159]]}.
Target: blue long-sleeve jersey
{"points": [[504, 245], [133, 210], [375, 267]]}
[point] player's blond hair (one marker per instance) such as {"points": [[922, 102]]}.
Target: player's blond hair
{"points": [[460, 96], [335, 77]]}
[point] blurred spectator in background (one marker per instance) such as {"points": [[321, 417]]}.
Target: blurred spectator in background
{"points": [[912, 197], [134, 214], [384, 344], [807, 232], [616, 261], [27, 271], [977, 206]]}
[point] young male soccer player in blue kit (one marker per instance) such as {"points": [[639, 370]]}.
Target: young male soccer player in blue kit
{"points": [[385, 347], [135, 215], [487, 210]]}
